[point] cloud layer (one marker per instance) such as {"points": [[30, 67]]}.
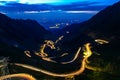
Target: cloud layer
{"points": [[20, 7], [44, 6]]}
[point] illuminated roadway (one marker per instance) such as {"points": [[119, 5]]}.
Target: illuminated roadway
{"points": [[75, 57], [20, 75], [81, 69], [101, 41], [87, 53]]}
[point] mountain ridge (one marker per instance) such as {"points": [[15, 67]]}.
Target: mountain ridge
{"points": [[104, 25], [22, 34]]}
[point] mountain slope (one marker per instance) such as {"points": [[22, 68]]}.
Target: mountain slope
{"points": [[104, 25], [21, 34], [107, 21]]}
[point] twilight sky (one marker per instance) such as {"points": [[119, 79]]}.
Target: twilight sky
{"points": [[58, 2], [43, 5], [67, 11]]}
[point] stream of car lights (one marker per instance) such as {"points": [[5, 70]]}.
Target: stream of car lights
{"points": [[75, 57], [87, 54], [79, 71], [20, 75]]}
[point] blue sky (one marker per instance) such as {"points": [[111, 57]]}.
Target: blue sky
{"points": [[59, 2], [41, 10], [45, 5], [54, 4]]}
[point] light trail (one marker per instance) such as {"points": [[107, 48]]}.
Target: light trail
{"points": [[64, 54], [1, 66], [50, 44], [27, 53], [75, 57], [92, 68], [60, 38], [79, 71], [87, 53], [20, 75], [41, 53], [101, 41], [49, 59]]}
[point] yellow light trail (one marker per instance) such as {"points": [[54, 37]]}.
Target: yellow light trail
{"points": [[79, 71], [101, 41], [92, 68], [20, 75], [75, 57], [50, 44], [1, 66], [27, 53], [49, 59], [87, 53], [60, 38], [47, 43], [64, 54]]}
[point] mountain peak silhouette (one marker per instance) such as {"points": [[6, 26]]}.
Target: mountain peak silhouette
{"points": [[106, 23]]}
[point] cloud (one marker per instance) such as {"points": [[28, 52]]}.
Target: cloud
{"points": [[33, 12], [41, 8], [75, 12], [8, 0], [86, 12], [81, 6], [3, 12], [38, 1]]}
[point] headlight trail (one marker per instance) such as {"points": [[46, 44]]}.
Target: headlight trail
{"points": [[92, 68], [79, 71], [60, 38], [1, 66], [87, 53], [41, 53], [50, 44], [27, 53], [101, 41], [49, 59], [84, 64], [20, 75], [75, 57], [64, 54]]}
